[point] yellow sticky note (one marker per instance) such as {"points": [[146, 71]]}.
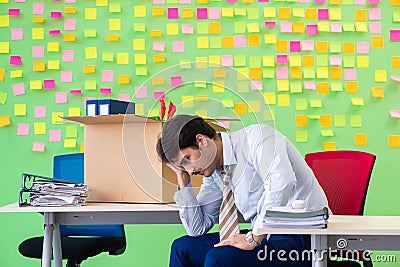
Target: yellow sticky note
{"points": [[269, 12], [89, 69], [219, 73], [39, 128], [53, 64], [380, 76], [302, 136], [140, 59], [254, 106], [56, 117], [107, 56], [240, 108], [325, 120], [53, 46], [101, 2], [299, 12], [187, 101], [327, 132], [5, 120], [139, 44], [295, 61], [200, 83], [157, 81], [282, 85], [214, 61], [4, 21], [141, 71], [201, 113], [90, 85], [377, 92], [357, 101], [335, 14], [201, 98], [124, 79], [139, 11], [19, 109], [35, 85], [91, 52], [74, 111], [270, 38], [139, 109], [315, 103], [253, 27], [4, 47], [90, 33], [172, 28], [270, 98], [330, 146], [218, 86], [301, 120], [114, 24], [39, 65], [268, 61], [16, 74], [69, 143], [90, 13], [139, 27], [284, 100], [37, 33], [122, 58], [202, 42], [363, 62], [323, 26], [360, 139], [227, 12], [227, 103]]}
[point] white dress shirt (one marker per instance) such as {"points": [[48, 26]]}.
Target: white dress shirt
{"points": [[266, 171]]}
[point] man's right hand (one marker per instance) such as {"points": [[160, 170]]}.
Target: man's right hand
{"points": [[182, 175]]}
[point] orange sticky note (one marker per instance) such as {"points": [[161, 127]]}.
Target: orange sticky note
{"points": [[377, 92], [82, 147], [123, 79], [348, 47], [187, 13], [112, 37], [255, 73], [4, 120], [360, 139], [336, 73], [158, 11], [70, 10], [155, 33], [227, 42], [322, 47], [284, 13], [394, 141], [157, 81], [330, 146], [295, 73], [39, 65], [311, 14], [352, 87], [394, 2], [2, 74], [377, 42], [38, 19], [240, 108], [361, 15], [69, 37], [308, 60], [219, 73], [396, 62], [301, 120], [298, 27], [323, 88], [325, 120], [215, 28], [281, 45], [89, 69], [254, 40], [335, 2], [159, 58]]}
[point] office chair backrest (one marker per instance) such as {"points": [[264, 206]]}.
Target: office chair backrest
{"points": [[70, 167], [344, 176]]}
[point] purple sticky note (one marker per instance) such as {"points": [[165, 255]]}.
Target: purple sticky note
{"points": [[15, 60], [239, 40], [178, 46], [173, 13], [176, 81], [61, 98], [18, 89], [159, 46], [23, 129], [49, 84], [282, 59], [335, 60], [124, 97], [363, 48], [68, 56], [307, 45], [373, 2], [256, 85], [202, 13], [38, 8], [56, 15], [336, 27], [282, 73], [187, 29], [15, 12], [66, 76], [374, 13], [159, 95], [38, 146], [107, 76], [394, 35], [55, 135], [105, 91], [270, 24], [55, 32], [17, 34], [214, 13], [323, 14], [227, 60], [75, 92], [286, 26], [141, 91], [70, 25], [295, 46], [39, 112], [350, 74], [38, 51], [312, 29], [319, 1]]}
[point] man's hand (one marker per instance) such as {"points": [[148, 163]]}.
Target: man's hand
{"points": [[236, 241], [182, 175]]}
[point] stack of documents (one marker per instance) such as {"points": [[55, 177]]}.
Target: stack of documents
{"points": [[44, 191], [296, 219]]}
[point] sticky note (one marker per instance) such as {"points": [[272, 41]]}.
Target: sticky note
{"points": [[355, 121], [17, 34], [5, 120], [15, 60], [325, 120], [122, 58], [19, 109], [301, 120], [380, 76], [187, 29], [315, 103], [123, 79], [176, 81], [90, 33], [56, 117], [55, 136], [39, 128], [187, 101], [90, 13], [91, 52], [37, 33], [394, 35], [327, 133], [3, 97], [141, 91], [38, 146], [312, 29], [69, 143], [66, 76], [377, 92], [302, 136], [4, 47], [23, 129], [49, 84], [394, 141], [71, 131], [39, 112], [284, 100]]}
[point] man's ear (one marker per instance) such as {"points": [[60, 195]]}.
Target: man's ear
{"points": [[201, 140]]}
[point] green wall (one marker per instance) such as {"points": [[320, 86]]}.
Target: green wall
{"points": [[149, 245]]}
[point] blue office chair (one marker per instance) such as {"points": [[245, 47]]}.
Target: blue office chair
{"points": [[78, 242]]}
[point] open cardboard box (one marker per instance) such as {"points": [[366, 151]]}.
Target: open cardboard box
{"points": [[121, 162]]}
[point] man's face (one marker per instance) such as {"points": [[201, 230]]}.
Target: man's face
{"points": [[198, 161]]}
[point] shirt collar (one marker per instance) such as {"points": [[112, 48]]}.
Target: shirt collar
{"points": [[229, 157]]}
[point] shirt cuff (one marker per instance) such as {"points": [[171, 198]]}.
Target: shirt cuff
{"points": [[185, 197]]}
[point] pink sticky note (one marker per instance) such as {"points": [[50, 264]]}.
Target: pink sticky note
{"points": [[335, 60], [49, 84], [61, 98], [17, 34], [18, 89], [231, 1], [68, 56], [266, 1], [256, 85], [363, 48], [310, 85], [187, 29], [323, 14], [55, 32], [107, 76], [173, 13], [295, 46], [176, 81], [66, 76], [20, 1], [282, 73], [159, 95], [360, 2], [374, 13], [395, 78], [394, 113], [224, 122], [141, 91], [38, 146], [202, 13], [394, 35], [214, 13], [312, 29], [55, 135], [14, 12], [56, 15], [158, 2], [38, 8], [124, 97], [178, 46], [286, 26], [15, 60], [159, 46], [105, 91], [239, 40], [270, 24], [373, 2], [282, 59], [227, 60], [307, 45], [184, 2], [75, 92], [69, 1], [70, 25], [37, 51], [336, 27], [375, 27], [319, 1], [39, 111], [23, 129], [350, 74]]}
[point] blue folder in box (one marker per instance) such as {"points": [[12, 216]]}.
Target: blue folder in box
{"points": [[91, 108], [109, 106]]}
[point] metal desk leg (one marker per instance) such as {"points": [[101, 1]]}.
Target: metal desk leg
{"points": [[57, 255], [319, 244], [47, 239]]}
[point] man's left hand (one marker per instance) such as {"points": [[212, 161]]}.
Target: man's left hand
{"points": [[237, 241]]}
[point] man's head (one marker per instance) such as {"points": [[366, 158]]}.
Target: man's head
{"points": [[188, 142]]}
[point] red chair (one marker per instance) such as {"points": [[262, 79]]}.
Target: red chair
{"points": [[344, 176]]}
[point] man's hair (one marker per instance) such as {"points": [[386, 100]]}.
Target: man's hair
{"points": [[180, 132]]}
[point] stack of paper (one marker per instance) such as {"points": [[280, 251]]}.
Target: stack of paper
{"points": [[45, 191], [296, 219]]}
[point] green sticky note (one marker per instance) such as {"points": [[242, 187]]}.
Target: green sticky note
{"points": [[347, 2], [348, 62], [336, 87], [139, 27], [296, 87], [302, 136], [239, 27], [200, 83], [314, 116], [355, 121], [71, 131], [322, 61], [240, 11], [3, 97], [315, 103], [185, 64], [308, 73], [141, 71], [335, 47], [107, 56], [243, 87], [90, 33], [239, 60], [154, 112], [202, 28], [215, 42], [396, 15], [269, 73], [172, 1], [227, 103], [301, 104], [114, 8], [255, 62], [252, 13], [90, 84], [348, 27], [327, 132], [339, 120]]}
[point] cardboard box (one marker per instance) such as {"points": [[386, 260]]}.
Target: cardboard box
{"points": [[121, 162]]}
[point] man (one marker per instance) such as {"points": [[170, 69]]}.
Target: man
{"points": [[266, 171]]}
